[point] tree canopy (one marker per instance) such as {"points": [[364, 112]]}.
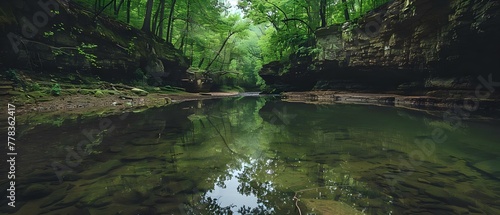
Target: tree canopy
{"points": [[234, 43]]}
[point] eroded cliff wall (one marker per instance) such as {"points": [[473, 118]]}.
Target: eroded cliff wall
{"points": [[50, 36], [410, 46]]}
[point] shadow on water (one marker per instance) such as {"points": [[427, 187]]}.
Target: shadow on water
{"points": [[256, 155]]}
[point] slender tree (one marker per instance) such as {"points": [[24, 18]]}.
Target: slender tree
{"points": [[159, 28], [118, 7], [322, 12], [170, 21], [346, 10], [128, 11], [186, 31], [146, 26], [221, 48]]}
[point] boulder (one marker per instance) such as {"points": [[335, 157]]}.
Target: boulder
{"points": [[139, 92]]}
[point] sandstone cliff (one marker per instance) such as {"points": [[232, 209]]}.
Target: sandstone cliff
{"points": [[413, 47], [61, 36]]}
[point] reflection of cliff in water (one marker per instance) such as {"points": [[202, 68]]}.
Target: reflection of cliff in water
{"points": [[261, 156]]}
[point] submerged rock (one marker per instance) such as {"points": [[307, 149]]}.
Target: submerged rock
{"points": [[101, 169], [321, 206], [71, 199], [36, 191], [136, 157], [489, 167], [128, 197], [54, 197], [115, 149], [185, 186], [39, 176]]}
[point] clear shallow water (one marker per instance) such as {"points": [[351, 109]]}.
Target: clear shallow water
{"points": [[255, 155]]}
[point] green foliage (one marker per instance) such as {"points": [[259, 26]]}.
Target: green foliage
{"points": [[218, 39], [78, 30], [87, 46], [55, 90], [288, 25], [26, 84], [84, 49], [57, 52], [56, 27], [131, 46], [308, 51], [34, 86], [48, 34], [57, 121], [59, 26], [206, 31], [140, 78], [199, 28], [13, 76]]}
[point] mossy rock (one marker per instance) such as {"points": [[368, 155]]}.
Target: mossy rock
{"points": [[37, 94], [98, 94], [139, 92], [85, 91], [157, 102]]}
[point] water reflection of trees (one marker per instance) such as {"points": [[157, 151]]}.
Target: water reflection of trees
{"points": [[282, 159]]}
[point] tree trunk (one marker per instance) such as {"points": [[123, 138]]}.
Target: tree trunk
{"points": [[361, 6], [322, 12], [218, 53], [170, 20], [102, 10], [159, 29], [201, 62], [186, 32], [314, 13], [155, 19], [191, 56], [301, 21], [346, 10], [117, 9], [309, 15], [146, 26], [128, 11]]}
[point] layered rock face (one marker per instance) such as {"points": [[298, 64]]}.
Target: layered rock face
{"points": [[61, 36], [410, 46]]}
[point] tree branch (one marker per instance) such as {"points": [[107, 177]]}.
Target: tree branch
{"points": [[300, 20]]}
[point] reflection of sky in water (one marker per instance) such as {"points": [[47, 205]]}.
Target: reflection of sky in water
{"points": [[340, 154], [230, 196]]}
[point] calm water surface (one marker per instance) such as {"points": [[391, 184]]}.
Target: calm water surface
{"points": [[255, 155]]}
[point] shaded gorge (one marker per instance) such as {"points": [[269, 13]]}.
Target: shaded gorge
{"points": [[258, 155]]}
